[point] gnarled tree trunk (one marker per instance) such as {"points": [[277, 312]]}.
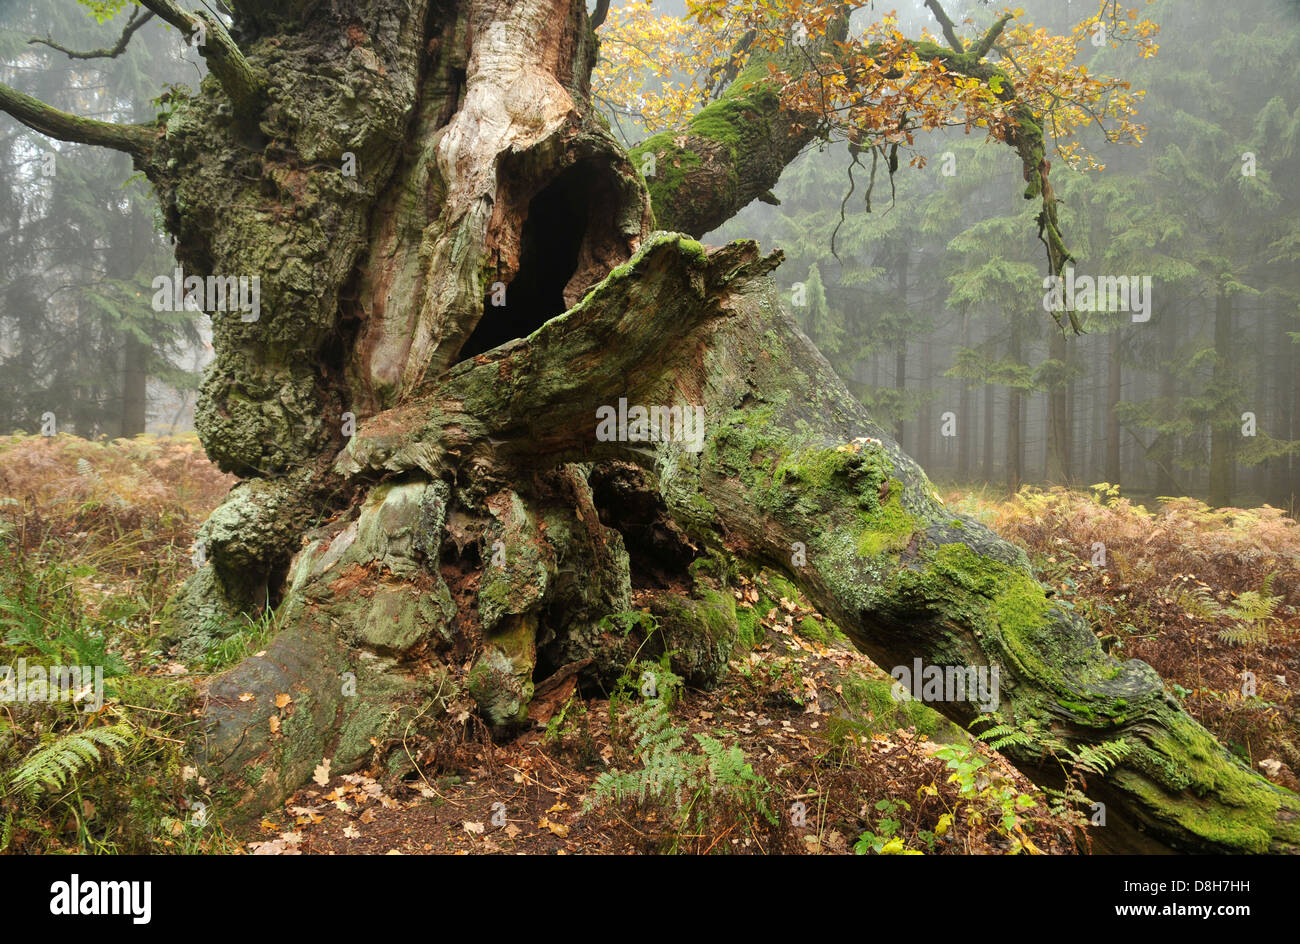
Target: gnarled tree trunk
{"points": [[427, 498]]}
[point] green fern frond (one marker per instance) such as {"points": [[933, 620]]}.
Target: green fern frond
{"points": [[689, 785], [1004, 735], [1198, 603], [1099, 758], [1253, 606], [54, 764], [1244, 634]]}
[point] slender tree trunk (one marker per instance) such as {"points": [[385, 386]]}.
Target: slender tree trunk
{"points": [[1058, 427], [1164, 451], [1071, 422], [965, 413], [1098, 399], [900, 384], [926, 430], [1015, 419], [1114, 390], [990, 418], [1279, 396], [900, 355], [135, 379], [1223, 424], [136, 354], [1294, 483]]}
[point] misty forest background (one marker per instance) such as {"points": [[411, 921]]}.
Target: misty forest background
{"points": [[929, 304]]}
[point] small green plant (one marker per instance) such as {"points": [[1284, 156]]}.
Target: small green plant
{"points": [[695, 790], [243, 642], [991, 800], [570, 730], [1198, 602], [1253, 614], [40, 616], [1000, 736], [1098, 758], [1105, 494], [65, 755], [884, 839], [1076, 764], [1249, 618]]}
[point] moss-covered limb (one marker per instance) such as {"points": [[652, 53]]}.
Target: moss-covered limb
{"points": [[241, 84], [221, 53], [794, 472], [946, 24], [734, 150], [730, 154], [136, 140], [981, 47]]}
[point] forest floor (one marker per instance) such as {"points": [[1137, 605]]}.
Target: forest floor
{"points": [[800, 748], [832, 755]]}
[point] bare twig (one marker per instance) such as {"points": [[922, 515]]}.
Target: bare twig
{"points": [[945, 22], [108, 52]]}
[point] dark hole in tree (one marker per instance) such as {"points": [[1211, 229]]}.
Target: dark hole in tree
{"points": [[659, 552], [550, 243], [659, 557]]}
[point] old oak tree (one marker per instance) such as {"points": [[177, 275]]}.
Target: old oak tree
{"points": [[460, 265]]}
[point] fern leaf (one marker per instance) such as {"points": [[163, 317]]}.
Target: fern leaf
{"points": [[54, 764]]}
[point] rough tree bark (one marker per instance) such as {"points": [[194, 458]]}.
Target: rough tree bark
{"points": [[475, 533]]}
